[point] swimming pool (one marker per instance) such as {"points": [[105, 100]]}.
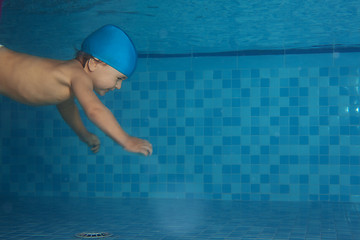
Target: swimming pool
{"points": [[248, 124]]}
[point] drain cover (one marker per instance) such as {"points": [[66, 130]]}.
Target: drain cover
{"points": [[93, 235]]}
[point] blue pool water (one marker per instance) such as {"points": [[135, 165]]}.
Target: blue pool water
{"points": [[182, 26], [256, 130]]}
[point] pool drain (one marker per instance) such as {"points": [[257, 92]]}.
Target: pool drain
{"points": [[93, 235]]}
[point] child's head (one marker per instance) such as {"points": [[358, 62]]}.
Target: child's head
{"points": [[112, 46]]}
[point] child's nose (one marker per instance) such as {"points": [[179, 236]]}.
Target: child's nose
{"points": [[118, 85]]}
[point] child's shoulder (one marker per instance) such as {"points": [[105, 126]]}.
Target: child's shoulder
{"points": [[73, 71], [72, 66]]}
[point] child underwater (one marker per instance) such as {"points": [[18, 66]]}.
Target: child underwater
{"points": [[107, 57]]}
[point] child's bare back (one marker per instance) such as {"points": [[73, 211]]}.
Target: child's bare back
{"points": [[34, 80]]}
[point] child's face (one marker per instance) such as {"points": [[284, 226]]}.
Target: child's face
{"points": [[107, 78]]}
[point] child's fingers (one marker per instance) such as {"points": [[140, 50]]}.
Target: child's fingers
{"points": [[147, 151], [95, 148], [146, 148]]}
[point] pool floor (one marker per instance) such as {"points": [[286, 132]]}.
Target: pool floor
{"points": [[63, 218]]}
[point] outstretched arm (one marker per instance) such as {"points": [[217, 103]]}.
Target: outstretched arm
{"points": [[101, 116], [70, 113]]}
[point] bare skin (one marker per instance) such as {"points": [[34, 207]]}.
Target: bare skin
{"points": [[39, 81]]}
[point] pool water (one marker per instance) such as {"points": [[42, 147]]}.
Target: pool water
{"points": [[162, 219], [252, 107], [183, 26]]}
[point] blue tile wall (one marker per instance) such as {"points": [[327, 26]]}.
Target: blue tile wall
{"points": [[278, 128]]}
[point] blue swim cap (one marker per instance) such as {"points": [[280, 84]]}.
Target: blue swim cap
{"points": [[112, 46]]}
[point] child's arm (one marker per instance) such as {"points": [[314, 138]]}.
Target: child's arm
{"points": [[70, 114], [105, 120]]}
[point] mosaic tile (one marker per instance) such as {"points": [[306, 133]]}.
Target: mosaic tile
{"points": [[265, 128]]}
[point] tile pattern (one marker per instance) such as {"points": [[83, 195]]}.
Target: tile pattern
{"points": [[279, 128], [162, 219]]}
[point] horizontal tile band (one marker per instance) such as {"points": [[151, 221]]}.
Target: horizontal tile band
{"points": [[314, 50]]}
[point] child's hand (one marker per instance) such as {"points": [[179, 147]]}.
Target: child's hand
{"points": [[138, 145], [92, 141]]}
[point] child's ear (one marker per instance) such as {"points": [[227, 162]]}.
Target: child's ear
{"points": [[92, 64]]}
